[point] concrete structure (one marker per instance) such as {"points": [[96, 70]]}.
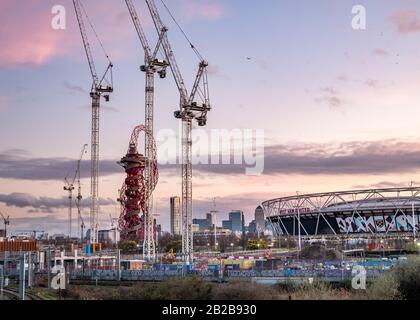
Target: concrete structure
{"points": [[347, 213], [175, 215], [220, 232], [109, 237], [59, 236], [73, 260]]}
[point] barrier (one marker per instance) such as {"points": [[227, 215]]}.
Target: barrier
{"points": [[159, 275], [17, 246]]}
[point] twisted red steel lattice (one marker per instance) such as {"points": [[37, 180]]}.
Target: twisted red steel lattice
{"points": [[133, 192]]}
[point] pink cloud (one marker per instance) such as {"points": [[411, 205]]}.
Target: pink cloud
{"points": [[372, 83], [28, 39], [380, 52], [406, 21], [196, 9], [26, 36]]}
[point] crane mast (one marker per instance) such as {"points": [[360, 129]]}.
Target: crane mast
{"points": [[80, 221], [100, 87], [188, 111], [151, 66], [6, 222], [162, 29], [69, 187]]}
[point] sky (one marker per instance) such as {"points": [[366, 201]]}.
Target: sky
{"points": [[339, 107]]}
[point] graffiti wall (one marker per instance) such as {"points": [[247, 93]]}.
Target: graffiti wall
{"points": [[392, 222]]}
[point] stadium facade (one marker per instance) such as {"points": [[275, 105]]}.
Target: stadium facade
{"points": [[359, 212]]}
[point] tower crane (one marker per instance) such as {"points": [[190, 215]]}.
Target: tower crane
{"points": [[69, 186], [101, 87], [152, 65], [79, 197], [189, 110], [6, 222], [82, 228]]}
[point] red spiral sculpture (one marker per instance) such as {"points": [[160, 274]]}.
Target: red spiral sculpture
{"points": [[133, 196]]}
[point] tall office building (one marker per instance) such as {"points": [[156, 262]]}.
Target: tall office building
{"points": [[175, 207], [205, 224], [236, 218], [259, 219]]}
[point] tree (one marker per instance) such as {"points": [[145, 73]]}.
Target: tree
{"points": [[128, 247], [256, 245], [169, 241]]}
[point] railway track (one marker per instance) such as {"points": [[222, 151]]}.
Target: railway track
{"points": [[13, 294]]}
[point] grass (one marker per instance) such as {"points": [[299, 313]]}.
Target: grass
{"points": [[197, 289], [402, 282]]}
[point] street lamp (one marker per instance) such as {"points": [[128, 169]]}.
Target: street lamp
{"points": [[412, 211], [418, 245], [298, 213], [232, 246]]}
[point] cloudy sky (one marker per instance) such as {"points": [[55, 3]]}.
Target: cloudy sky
{"points": [[339, 107]]}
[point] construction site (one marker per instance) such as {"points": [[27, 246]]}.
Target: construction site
{"points": [[295, 241], [136, 221]]}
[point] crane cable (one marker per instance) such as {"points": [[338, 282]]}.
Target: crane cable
{"points": [[94, 32], [182, 31]]}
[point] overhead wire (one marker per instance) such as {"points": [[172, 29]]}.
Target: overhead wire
{"points": [[182, 31], [94, 32]]}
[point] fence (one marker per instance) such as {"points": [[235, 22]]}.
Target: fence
{"points": [[154, 275]]}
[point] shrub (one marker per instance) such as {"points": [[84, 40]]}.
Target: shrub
{"points": [[385, 288], [243, 291], [403, 282]]}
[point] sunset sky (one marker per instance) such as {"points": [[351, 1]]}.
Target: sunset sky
{"points": [[340, 107]]}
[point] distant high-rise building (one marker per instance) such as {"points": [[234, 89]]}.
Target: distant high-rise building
{"points": [[108, 237], [252, 228], [205, 224], [175, 207], [158, 231], [236, 218], [236, 222], [209, 219], [259, 219], [227, 224]]}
